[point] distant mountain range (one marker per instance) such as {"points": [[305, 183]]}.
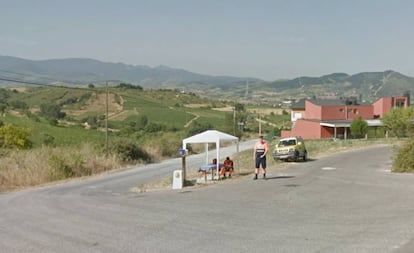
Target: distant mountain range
{"points": [[367, 86], [84, 71], [81, 71]]}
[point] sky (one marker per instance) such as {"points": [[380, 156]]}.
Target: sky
{"points": [[266, 39]]}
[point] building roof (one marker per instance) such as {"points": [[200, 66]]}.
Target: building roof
{"points": [[347, 123], [300, 104], [333, 102]]}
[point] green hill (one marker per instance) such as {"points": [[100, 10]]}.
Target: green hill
{"points": [[72, 116]]}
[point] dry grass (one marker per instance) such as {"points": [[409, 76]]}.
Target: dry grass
{"points": [[20, 169]]}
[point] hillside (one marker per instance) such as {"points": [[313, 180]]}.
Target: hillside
{"points": [[81, 71], [368, 86], [65, 116]]}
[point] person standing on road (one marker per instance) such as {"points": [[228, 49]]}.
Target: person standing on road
{"points": [[259, 155]]}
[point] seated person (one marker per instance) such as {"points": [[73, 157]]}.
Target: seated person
{"points": [[210, 168], [227, 166]]}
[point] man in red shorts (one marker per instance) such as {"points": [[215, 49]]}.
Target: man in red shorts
{"points": [[227, 166]]}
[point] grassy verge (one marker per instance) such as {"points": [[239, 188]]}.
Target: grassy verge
{"points": [[27, 168]]}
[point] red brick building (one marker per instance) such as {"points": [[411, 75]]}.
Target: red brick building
{"points": [[317, 119]]}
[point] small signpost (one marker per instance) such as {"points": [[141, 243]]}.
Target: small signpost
{"points": [[182, 153]]}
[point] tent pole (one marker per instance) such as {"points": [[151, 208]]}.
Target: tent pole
{"points": [[218, 158], [206, 147], [238, 156]]}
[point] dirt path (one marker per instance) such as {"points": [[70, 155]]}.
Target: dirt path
{"points": [[196, 116]]}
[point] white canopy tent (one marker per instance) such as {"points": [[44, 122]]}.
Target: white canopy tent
{"points": [[211, 136]]}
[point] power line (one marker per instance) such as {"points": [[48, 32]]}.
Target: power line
{"points": [[16, 80], [25, 82], [36, 76]]}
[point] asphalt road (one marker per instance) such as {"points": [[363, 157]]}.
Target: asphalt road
{"points": [[348, 202]]}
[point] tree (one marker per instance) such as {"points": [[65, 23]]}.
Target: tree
{"points": [[51, 111], [359, 127], [400, 121], [239, 107]]}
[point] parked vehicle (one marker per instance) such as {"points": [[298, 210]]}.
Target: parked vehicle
{"points": [[291, 148]]}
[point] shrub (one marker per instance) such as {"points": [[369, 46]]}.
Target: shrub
{"points": [[31, 116], [59, 168], [52, 111], [128, 151], [197, 127], [404, 160], [69, 165], [68, 101], [91, 120], [78, 167], [154, 127], [167, 145], [53, 122], [85, 96], [14, 137], [48, 140]]}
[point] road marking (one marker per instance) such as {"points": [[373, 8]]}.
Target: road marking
{"points": [[328, 168]]}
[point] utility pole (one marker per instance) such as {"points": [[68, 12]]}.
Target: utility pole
{"points": [[260, 126], [106, 122], [234, 120]]}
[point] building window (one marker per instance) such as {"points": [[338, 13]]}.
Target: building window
{"points": [[400, 103]]}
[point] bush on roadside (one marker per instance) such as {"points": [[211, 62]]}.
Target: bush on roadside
{"points": [[60, 168], [129, 151], [164, 145], [404, 159]]}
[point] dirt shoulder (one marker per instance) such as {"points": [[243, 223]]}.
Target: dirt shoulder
{"points": [[316, 151]]}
